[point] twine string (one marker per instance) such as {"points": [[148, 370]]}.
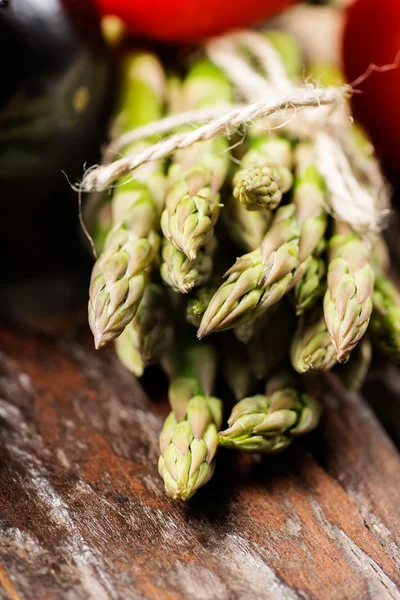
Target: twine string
{"points": [[357, 191], [103, 176], [164, 126]]}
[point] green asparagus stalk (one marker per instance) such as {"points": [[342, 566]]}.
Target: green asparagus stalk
{"points": [[270, 344], [385, 319], [268, 423], [353, 373], [253, 286], [241, 298], [149, 336], [280, 247], [101, 225], [119, 275], [327, 74], [289, 50], [247, 228], [348, 299], [193, 372], [191, 213], [292, 57], [182, 274], [195, 178], [236, 367], [380, 259], [142, 98], [174, 95], [312, 347], [188, 447], [311, 286], [127, 351], [189, 439], [265, 173], [142, 91], [307, 218]]}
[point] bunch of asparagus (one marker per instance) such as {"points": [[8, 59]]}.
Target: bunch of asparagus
{"points": [[299, 293]]}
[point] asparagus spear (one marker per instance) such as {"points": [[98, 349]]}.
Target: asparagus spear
{"points": [[278, 150], [189, 439], [270, 344], [236, 367], [327, 74], [268, 423], [119, 275], [312, 347], [265, 173], [293, 60], [174, 94], [380, 258], [101, 226], [247, 228], [183, 274], [281, 241], [149, 336], [385, 319], [253, 286], [142, 98], [127, 351], [307, 218], [348, 299], [260, 278], [241, 298], [188, 447], [311, 286], [289, 50], [193, 202]]}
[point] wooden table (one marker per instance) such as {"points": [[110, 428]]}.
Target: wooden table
{"points": [[84, 514]]}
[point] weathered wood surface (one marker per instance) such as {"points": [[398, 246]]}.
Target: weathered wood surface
{"points": [[84, 515]]}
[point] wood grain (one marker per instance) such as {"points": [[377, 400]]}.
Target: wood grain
{"points": [[84, 515]]}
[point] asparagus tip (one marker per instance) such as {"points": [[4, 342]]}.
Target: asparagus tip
{"points": [[99, 340], [224, 441], [202, 332], [342, 356]]}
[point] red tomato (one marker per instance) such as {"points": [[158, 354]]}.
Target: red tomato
{"points": [[189, 20], [372, 35]]}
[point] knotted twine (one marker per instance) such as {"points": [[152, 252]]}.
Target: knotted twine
{"points": [[357, 193]]}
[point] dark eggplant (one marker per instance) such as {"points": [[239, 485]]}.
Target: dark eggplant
{"points": [[54, 102]]}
